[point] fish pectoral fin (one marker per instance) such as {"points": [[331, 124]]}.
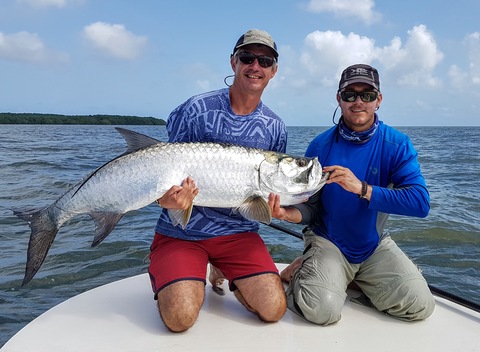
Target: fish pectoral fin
{"points": [[104, 224], [256, 208], [180, 217]]}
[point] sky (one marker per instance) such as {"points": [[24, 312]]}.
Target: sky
{"points": [[145, 57]]}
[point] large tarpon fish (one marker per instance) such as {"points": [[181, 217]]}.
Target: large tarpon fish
{"points": [[228, 176]]}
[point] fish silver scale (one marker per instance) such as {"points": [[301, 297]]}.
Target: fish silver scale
{"points": [[224, 176], [227, 176]]}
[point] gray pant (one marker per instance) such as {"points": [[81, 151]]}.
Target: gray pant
{"points": [[388, 278]]}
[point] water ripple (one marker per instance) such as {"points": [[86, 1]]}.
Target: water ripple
{"points": [[36, 171]]}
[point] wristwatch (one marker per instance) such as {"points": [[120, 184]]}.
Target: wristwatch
{"points": [[364, 190]]}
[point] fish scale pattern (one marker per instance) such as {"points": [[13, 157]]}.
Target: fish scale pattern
{"points": [[226, 175]]}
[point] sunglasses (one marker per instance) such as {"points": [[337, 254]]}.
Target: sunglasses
{"points": [[248, 58], [364, 96]]}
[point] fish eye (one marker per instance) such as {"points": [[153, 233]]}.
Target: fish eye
{"points": [[302, 162]]}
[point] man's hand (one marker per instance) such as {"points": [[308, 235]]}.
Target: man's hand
{"points": [[289, 214], [179, 197], [343, 177], [278, 211]]}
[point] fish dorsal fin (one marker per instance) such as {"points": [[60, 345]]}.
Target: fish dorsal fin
{"points": [[180, 216], [104, 224], [135, 140], [256, 208]]}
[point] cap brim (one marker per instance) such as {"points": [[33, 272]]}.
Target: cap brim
{"points": [[359, 80], [268, 46]]}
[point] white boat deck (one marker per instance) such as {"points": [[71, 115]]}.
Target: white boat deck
{"points": [[122, 316]]}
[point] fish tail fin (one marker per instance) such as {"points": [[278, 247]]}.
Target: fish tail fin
{"points": [[44, 229], [104, 224]]}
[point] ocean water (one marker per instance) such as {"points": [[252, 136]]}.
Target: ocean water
{"points": [[38, 163]]}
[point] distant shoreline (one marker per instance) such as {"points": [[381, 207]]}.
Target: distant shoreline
{"points": [[7, 118]]}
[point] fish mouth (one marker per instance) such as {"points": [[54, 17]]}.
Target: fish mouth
{"points": [[304, 176], [312, 177], [316, 184], [288, 198]]}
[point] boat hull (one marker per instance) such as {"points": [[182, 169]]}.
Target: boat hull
{"points": [[122, 316]]}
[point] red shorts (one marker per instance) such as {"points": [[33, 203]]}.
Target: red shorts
{"points": [[238, 256]]}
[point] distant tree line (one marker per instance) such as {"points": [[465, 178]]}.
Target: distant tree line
{"points": [[55, 119]]}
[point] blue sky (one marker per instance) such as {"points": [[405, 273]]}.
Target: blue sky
{"points": [[146, 57]]}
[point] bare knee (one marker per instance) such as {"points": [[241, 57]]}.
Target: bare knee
{"points": [[273, 310], [263, 295], [176, 321], [179, 304]]}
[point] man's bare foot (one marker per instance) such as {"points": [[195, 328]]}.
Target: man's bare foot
{"points": [[216, 278], [287, 273]]}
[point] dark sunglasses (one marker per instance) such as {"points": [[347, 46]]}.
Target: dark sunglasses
{"points": [[248, 58], [351, 96]]}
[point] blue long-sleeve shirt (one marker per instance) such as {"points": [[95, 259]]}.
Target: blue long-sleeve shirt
{"points": [[388, 162]]}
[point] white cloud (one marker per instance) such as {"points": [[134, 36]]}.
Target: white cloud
{"points": [[414, 63], [326, 54], [114, 40], [458, 77], [463, 79], [203, 85], [473, 43], [324, 50], [27, 47], [360, 10]]}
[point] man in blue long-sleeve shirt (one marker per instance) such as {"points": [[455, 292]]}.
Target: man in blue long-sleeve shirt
{"points": [[374, 172]]}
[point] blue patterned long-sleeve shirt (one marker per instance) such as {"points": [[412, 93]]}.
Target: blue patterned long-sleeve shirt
{"points": [[208, 117]]}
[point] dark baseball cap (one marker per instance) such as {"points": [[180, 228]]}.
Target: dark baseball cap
{"points": [[359, 73]]}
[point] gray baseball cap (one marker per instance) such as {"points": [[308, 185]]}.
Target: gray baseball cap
{"points": [[256, 36]]}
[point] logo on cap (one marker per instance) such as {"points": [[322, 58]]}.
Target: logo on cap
{"points": [[359, 73]]}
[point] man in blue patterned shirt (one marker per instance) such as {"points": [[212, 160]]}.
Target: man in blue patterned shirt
{"points": [[179, 257]]}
